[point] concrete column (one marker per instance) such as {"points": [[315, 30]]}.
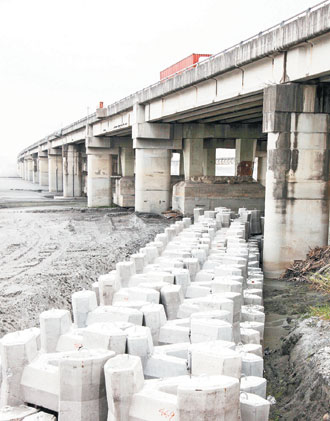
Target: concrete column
{"points": [[262, 168], [35, 173], [127, 162], [43, 169], [209, 161], [193, 153], [99, 187], [296, 208], [25, 169], [181, 167], [30, 169], [55, 170], [71, 171], [22, 170], [245, 154], [152, 180]]}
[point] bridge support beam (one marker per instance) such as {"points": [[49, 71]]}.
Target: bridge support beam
{"points": [[55, 170], [127, 161], [209, 161], [99, 185], [193, 157], [262, 168], [152, 180], [25, 169], [296, 209], [72, 183], [35, 174], [245, 153], [43, 168], [30, 169]]}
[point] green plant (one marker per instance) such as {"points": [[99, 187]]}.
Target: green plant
{"points": [[323, 312]]}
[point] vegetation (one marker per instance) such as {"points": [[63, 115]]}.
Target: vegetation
{"points": [[323, 312]]}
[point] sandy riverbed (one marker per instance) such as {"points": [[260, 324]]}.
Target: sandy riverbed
{"points": [[48, 251]]}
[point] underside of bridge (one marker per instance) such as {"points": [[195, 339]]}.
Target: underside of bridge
{"points": [[284, 126]]}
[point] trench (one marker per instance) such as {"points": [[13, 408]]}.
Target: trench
{"points": [[301, 390]]}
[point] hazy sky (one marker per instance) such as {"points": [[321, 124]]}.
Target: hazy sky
{"points": [[58, 57]]}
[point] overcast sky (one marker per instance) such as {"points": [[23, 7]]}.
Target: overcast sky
{"points": [[58, 57]]}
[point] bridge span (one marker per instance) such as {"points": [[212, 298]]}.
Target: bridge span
{"points": [[267, 97]]}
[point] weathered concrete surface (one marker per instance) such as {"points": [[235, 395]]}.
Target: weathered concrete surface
{"points": [[211, 192], [99, 183], [296, 206], [72, 166], [152, 180]]}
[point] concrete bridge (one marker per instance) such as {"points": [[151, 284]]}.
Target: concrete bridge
{"points": [[267, 97]]}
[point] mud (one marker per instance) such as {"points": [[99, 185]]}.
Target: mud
{"points": [[297, 352], [46, 254]]}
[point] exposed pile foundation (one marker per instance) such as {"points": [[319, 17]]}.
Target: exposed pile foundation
{"points": [[175, 333]]}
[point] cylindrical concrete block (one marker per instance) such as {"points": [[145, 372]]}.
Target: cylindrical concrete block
{"points": [[208, 398], [255, 385], [154, 317], [105, 336], [123, 377], [82, 394], [109, 284], [140, 261], [254, 408], [139, 341], [53, 324], [124, 271], [83, 302], [16, 349]]}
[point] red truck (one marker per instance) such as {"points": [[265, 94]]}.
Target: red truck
{"points": [[182, 64]]}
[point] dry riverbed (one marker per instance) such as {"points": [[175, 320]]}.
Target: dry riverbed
{"points": [[46, 254]]}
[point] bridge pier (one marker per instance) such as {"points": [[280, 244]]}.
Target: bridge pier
{"points": [[25, 169], [99, 184], [152, 180], [35, 173], [43, 168], [72, 185], [193, 157], [262, 168], [296, 208], [30, 169], [55, 170], [126, 157], [209, 158], [245, 154]]}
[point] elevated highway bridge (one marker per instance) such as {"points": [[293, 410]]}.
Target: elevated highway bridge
{"points": [[267, 97]]}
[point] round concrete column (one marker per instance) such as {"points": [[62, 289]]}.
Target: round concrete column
{"points": [[296, 208], [82, 394], [153, 180], [99, 191]]}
